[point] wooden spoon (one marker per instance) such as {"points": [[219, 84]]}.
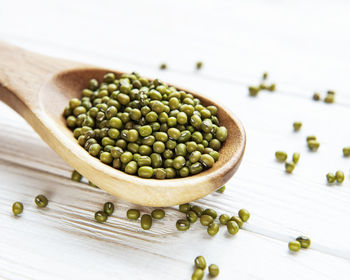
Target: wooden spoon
{"points": [[39, 87]]}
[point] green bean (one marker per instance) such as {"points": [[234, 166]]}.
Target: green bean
{"points": [[330, 178], [281, 156], [213, 270], [224, 219], [108, 208], [200, 262], [206, 220], [294, 246], [232, 227], [210, 212], [197, 209], [158, 214], [296, 157], [198, 274], [244, 215], [213, 229], [133, 214], [146, 222], [297, 126], [316, 96], [313, 144], [101, 216], [221, 190], [182, 225], [199, 65], [17, 208], [191, 216], [184, 208], [145, 171], [289, 166], [339, 175], [304, 241], [238, 220], [76, 176], [346, 151], [41, 201]]}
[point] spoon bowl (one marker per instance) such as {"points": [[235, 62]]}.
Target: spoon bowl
{"points": [[39, 87]]}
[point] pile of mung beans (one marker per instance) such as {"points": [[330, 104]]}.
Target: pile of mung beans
{"points": [[40, 200], [254, 90], [312, 142], [146, 219], [207, 218], [329, 98], [200, 265], [300, 242], [338, 177], [282, 156], [146, 128]]}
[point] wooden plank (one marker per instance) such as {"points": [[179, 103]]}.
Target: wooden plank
{"points": [[304, 47], [65, 238]]}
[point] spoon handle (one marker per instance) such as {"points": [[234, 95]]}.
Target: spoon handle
{"points": [[22, 73]]}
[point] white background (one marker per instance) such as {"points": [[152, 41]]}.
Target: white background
{"points": [[304, 45]]}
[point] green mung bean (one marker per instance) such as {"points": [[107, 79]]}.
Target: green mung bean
{"points": [[76, 176], [244, 215], [281, 156], [329, 98], [133, 214], [238, 220], [197, 209], [191, 216], [346, 151], [296, 157], [339, 175], [17, 208], [206, 220], [213, 229], [182, 225], [330, 178], [289, 166], [224, 218], [313, 145], [198, 274], [311, 137], [41, 201], [253, 91], [108, 208], [146, 221], [221, 190], [210, 212], [213, 270], [304, 241], [158, 214], [297, 126], [232, 227], [199, 65], [200, 262], [294, 246], [316, 96], [101, 216], [184, 208]]}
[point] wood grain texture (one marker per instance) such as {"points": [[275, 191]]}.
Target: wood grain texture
{"points": [[56, 82], [303, 46]]}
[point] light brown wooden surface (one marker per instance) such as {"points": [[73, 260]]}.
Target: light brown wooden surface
{"points": [[39, 97]]}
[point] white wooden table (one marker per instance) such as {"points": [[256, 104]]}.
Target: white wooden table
{"points": [[305, 47]]}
